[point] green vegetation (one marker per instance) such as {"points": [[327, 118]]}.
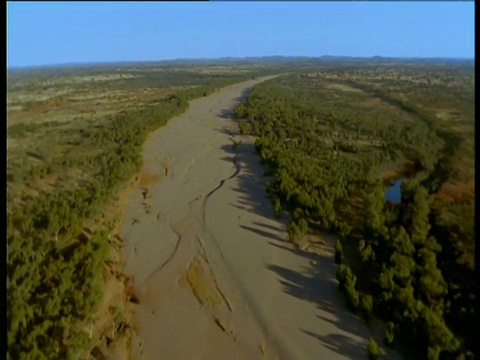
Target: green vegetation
{"points": [[61, 176], [373, 350], [338, 252], [331, 136]]}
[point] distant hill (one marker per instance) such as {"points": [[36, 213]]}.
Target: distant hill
{"points": [[274, 59]]}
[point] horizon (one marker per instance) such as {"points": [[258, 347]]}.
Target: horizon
{"points": [[120, 62], [87, 33]]}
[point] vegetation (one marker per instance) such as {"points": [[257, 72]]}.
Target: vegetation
{"points": [[331, 136], [61, 176], [373, 351], [338, 252], [330, 132]]}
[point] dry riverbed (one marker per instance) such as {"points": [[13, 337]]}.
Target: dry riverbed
{"points": [[210, 264]]}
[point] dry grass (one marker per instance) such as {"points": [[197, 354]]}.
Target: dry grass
{"points": [[343, 87], [94, 104]]}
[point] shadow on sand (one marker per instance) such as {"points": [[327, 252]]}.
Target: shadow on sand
{"points": [[316, 283], [228, 113], [340, 344]]}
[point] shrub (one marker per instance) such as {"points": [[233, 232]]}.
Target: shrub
{"points": [[296, 230], [433, 353], [240, 111], [342, 274], [389, 333], [366, 305], [346, 283], [338, 252], [293, 232], [373, 351], [353, 296]]}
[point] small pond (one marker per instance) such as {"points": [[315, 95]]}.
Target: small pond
{"points": [[394, 191]]}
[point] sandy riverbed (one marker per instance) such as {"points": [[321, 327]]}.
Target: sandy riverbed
{"points": [[208, 257]]}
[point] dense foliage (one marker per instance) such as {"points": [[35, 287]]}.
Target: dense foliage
{"points": [[327, 141]]}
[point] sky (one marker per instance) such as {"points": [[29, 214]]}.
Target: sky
{"points": [[46, 33]]}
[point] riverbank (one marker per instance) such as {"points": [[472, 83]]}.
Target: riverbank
{"points": [[210, 264]]}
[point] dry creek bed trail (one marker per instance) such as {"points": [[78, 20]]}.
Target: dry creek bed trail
{"points": [[210, 264]]}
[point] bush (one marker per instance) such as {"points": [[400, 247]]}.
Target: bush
{"points": [[373, 351], [353, 296], [338, 252], [366, 252], [245, 128], [389, 333], [433, 353], [303, 226], [343, 273], [240, 112], [366, 305], [296, 230], [346, 283], [293, 233]]}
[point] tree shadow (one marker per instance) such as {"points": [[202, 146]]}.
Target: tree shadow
{"points": [[225, 113], [228, 112], [297, 251], [262, 233], [244, 94], [340, 344], [300, 285], [253, 197], [316, 283], [274, 228]]}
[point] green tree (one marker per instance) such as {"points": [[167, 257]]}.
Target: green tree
{"points": [[240, 112], [338, 252], [294, 232], [420, 223], [366, 253], [346, 283], [373, 351], [389, 332], [366, 305], [374, 219]]}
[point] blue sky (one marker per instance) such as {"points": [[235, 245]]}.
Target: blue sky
{"points": [[43, 33]]}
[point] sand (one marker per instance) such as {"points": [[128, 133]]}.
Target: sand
{"points": [[209, 260]]}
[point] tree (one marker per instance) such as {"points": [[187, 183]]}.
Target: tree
{"points": [[386, 283], [403, 268], [431, 283], [373, 351], [401, 242], [303, 226], [294, 232], [366, 253], [346, 283], [366, 305], [420, 224], [374, 219], [338, 252], [389, 332], [438, 335], [240, 112]]}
